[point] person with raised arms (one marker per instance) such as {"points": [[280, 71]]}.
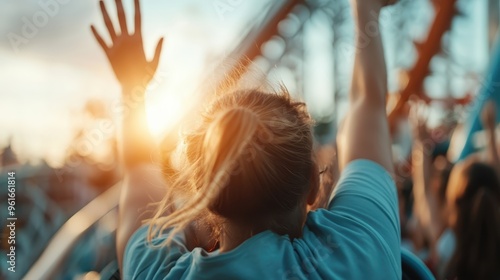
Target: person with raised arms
{"points": [[237, 207]]}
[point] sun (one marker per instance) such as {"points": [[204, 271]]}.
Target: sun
{"points": [[164, 112]]}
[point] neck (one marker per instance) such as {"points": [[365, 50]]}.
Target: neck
{"points": [[235, 233]]}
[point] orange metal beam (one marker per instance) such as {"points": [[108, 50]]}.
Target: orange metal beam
{"points": [[445, 11], [250, 49]]}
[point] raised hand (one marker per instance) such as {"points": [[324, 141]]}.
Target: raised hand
{"points": [[126, 54], [418, 120]]}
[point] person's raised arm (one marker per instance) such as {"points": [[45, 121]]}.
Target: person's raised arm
{"points": [[425, 207], [143, 181], [134, 72], [365, 131]]}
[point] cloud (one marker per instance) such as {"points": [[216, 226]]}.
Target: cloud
{"points": [[29, 24]]}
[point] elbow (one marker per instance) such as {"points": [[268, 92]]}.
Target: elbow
{"points": [[372, 92], [370, 105]]}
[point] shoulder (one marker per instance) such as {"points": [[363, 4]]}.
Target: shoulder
{"points": [[144, 260], [364, 184], [366, 176], [366, 194], [362, 220]]}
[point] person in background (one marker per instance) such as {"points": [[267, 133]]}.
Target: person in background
{"points": [[473, 198], [467, 221], [429, 215]]}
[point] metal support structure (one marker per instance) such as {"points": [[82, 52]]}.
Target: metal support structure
{"points": [[445, 11], [250, 48]]}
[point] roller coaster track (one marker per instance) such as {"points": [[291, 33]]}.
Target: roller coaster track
{"points": [[445, 12], [250, 48]]}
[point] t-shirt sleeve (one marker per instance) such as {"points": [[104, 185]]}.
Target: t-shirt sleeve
{"points": [[359, 232], [366, 193], [144, 261]]}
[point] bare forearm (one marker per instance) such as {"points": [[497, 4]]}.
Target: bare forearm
{"points": [[420, 175], [421, 166], [425, 206], [138, 145], [370, 73], [365, 133]]}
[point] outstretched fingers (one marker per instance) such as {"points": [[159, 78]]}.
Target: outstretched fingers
{"points": [[121, 17], [107, 21], [138, 17], [156, 60], [99, 39]]}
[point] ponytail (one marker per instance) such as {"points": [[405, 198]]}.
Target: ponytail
{"points": [[224, 143], [250, 161]]}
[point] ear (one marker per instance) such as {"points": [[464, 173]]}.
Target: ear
{"points": [[314, 184]]}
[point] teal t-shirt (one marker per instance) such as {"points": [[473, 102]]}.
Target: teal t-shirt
{"points": [[357, 237]]}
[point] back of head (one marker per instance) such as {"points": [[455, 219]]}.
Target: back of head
{"points": [[261, 146], [250, 160], [476, 203]]}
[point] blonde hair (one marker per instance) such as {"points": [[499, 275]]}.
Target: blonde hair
{"points": [[250, 159]]}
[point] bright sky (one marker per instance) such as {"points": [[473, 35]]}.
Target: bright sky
{"points": [[47, 81]]}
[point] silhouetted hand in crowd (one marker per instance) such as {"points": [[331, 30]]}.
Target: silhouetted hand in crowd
{"points": [[143, 182], [126, 54], [425, 206]]}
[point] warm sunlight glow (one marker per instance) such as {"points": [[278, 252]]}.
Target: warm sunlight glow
{"points": [[178, 78], [164, 112]]}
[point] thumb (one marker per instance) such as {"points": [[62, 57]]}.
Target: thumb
{"points": [[156, 60]]}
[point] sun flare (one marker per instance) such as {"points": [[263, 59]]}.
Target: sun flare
{"points": [[164, 112]]}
